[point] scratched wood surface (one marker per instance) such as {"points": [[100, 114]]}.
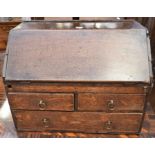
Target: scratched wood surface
{"points": [[7, 129], [80, 63]]}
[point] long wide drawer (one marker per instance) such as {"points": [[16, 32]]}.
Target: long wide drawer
{"points": [[87, 122], [42, 101], [111, 102]]}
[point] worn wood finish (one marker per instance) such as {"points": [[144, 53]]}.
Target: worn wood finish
{"points": [[78, 61], [77, 87], [77, 121], [7, 129], [42, 101], [63, 58], [110, 102]]}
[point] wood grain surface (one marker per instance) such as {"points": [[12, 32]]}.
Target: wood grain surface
{"points": [[87, 122], [110, 102], [42, 101], [89, 55], [7, 129], [111, 88]]}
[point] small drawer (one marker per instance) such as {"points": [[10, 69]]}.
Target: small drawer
{"points": [[86, 122], [42, 101], [111, 102]]}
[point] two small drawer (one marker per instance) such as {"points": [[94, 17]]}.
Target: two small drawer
{"points": [[84, 101]]}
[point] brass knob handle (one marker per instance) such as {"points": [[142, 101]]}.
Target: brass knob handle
{"points": [[42, 104], [111, 105], [46, 122], [108, 125]]}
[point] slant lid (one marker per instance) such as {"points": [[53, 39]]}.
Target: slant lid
{"points": [[84, 51]]}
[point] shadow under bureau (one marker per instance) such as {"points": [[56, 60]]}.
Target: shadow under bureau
{"points": [[85, 76]]}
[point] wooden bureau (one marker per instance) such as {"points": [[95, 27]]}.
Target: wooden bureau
{"points": [[85, 77]]}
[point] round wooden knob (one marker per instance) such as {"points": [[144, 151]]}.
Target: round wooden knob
{"points": [[42, 105], [111, 105], [108, 125], [46, 122]]}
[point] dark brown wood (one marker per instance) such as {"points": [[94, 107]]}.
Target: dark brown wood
{"points": [[42, 101], [37, 18], [80, 63], [77, 87], [61, 61], [110, 102], [88, 122], [7, 129]]}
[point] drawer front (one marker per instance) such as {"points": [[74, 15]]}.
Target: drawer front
{"points": [[42, 101], [87, 122], [110, 102]]}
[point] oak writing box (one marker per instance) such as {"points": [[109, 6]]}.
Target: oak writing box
{"points": [[81, 77]]}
